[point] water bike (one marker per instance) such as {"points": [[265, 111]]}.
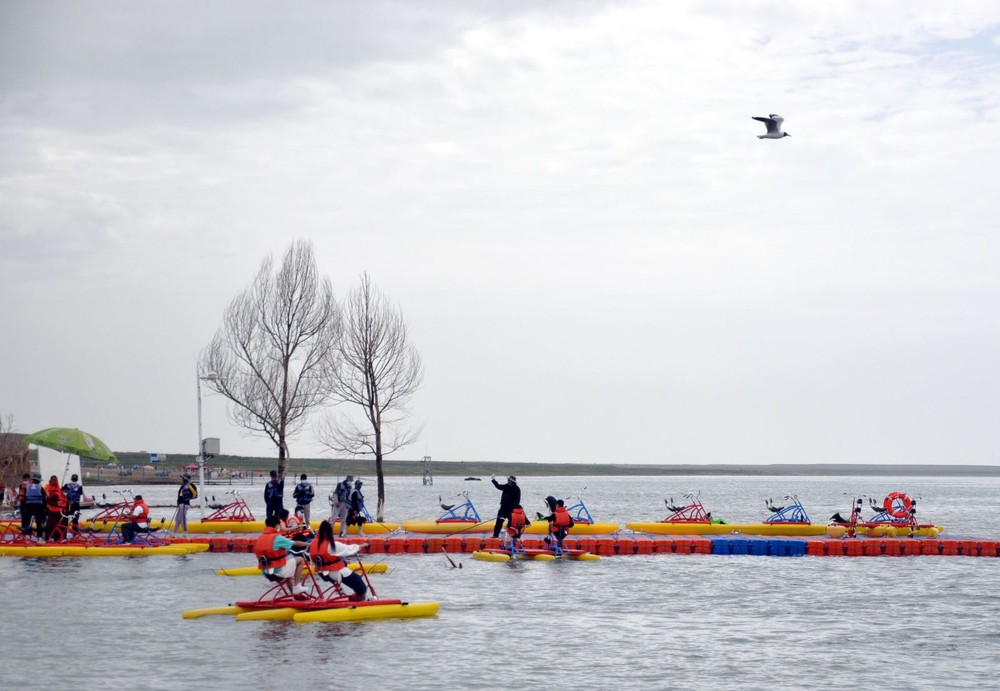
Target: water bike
{"points": [[87, 543], [457, 518], [255, 570], [896, 516], [583, 522], [512, 548], [323, 601]]}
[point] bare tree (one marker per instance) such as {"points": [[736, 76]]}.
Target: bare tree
{"points": [[379, 372], [276, 351]]}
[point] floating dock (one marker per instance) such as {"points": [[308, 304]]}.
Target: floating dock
{"points": [[627, 545]]}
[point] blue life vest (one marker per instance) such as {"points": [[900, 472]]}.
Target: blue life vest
{"points": [[33, 494], [303, 493], [73, 490], [272, 490]]}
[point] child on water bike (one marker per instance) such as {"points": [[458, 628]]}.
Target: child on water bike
{"points": [[559, 522], [516, 524]]}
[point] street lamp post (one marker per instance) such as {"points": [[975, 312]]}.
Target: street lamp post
{"points": [[208, 376]]}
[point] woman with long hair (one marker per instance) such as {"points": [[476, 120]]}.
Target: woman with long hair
{"points": [[329, 560]]}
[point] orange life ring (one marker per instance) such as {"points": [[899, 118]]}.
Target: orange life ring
{"points": [[900, 510]]}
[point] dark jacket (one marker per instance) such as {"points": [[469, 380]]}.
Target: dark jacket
{"points": [[510, 498], [274, 490]]}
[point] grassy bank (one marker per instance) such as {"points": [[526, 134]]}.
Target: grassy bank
{"points": [[170, 470]]}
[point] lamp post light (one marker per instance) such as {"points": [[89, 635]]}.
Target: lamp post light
{"points": [[208, 376]]}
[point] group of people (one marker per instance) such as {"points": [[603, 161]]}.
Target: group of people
{"points": [[284, 549], [511, 512], [347, 501], [48, 510]]}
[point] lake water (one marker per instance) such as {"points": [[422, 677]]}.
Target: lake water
{"points": [[661, 622]]}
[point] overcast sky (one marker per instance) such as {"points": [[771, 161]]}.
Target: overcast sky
{"points": [[597, 258]]}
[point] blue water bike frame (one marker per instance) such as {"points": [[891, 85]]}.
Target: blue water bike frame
{"points": [[793, 513], [462, 513]]}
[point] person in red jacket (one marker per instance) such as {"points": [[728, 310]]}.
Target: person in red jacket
{"points": [[55, 504], [138, 521]]}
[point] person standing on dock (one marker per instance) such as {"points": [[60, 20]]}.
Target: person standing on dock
{"points": [[509, 498], [303, 495], [185, 493], [274, 492], [74, 493]]}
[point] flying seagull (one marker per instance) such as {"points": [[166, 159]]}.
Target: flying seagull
{"points": [[773, 122]]}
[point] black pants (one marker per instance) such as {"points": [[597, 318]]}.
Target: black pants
{"points": [[273, 507], [501, 517], [55, 526], [129, 531], [74, 512], [36, 512]]}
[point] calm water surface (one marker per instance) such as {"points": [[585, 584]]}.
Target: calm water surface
{"points": [[668, 621]]}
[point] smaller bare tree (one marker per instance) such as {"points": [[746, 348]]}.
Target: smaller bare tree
{"points": [[379, 373], [276, 350]]}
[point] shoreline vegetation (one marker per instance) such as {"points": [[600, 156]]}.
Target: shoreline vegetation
{"points": [[137, 469]]}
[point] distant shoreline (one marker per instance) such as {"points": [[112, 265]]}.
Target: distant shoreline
{"points": [[173, 467]]}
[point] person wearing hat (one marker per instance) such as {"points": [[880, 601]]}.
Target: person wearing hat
{"points": [[509, 498], [341, 502], [185, 493]]}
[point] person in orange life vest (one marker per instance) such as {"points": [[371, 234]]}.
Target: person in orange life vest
{"points": [[55, 503], [329, 559], [272, 552], [138, 520], [516, 524], [295, 527], [559, 520], [31, 499]]}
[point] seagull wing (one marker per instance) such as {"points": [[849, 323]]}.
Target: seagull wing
{"points": [[772, 124], [777, 119]]}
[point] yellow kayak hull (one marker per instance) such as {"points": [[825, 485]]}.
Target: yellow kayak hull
{"points": [[449, 528], [241, 527], [483, 555], [542, 528], [787, 529], [406, 610], [50, 551], [536, 528], [212, 611], [254, 571]]}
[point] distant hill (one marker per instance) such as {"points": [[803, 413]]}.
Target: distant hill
{"points": [[366, 467]]}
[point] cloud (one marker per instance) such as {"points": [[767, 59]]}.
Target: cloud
{"points": [[569, 200]]}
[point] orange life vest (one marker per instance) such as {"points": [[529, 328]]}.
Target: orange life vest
{"points": [[22, 491], [55, 498], [517, 520], [144, 518], [323, 560], [561, 518], [267, 555]]}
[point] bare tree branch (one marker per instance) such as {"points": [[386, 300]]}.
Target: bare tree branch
{"points": [[276, 350], [379, 372]]}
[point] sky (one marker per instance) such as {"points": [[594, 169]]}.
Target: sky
{"points": [[597, 258]]}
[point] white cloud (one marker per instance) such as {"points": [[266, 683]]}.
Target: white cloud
{"points": [[568, 201]]}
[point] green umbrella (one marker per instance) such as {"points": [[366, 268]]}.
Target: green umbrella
{"points": [[72, 440]]}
